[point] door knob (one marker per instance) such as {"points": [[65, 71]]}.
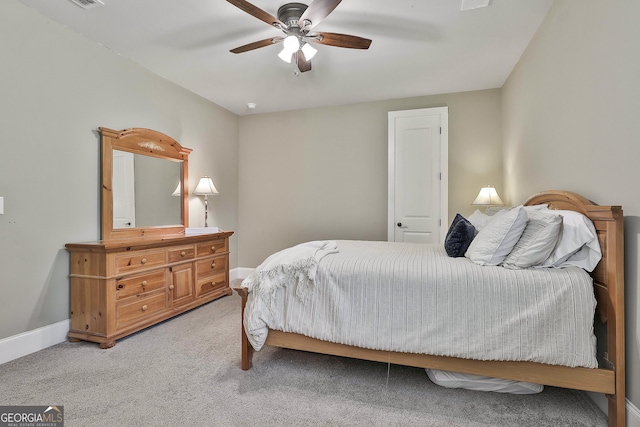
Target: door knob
{"points": [[401, 226]]}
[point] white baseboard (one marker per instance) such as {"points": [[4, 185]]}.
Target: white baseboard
{"points": [[38, 339], [31, 341], [241, 272], [633, 413]]}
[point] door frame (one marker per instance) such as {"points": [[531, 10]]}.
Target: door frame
{"points": [[443, 112]]}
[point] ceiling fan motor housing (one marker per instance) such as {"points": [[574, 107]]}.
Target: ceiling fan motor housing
{"points": [[290, 13]]}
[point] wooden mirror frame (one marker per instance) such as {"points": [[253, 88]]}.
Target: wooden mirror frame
{"points": [[146, 142]]}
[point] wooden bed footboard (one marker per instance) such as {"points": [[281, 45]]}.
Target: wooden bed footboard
{"points": [[609, 291]]}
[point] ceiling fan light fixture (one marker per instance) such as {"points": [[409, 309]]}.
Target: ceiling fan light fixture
{"points": [[291, 45], [285, 55], [309, 51]]}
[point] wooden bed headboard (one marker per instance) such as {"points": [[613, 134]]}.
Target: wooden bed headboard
{"points": [[608, 276], [609, 223]]}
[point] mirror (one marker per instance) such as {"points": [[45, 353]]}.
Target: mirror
{"points": [[143, 191], [140, 171]]}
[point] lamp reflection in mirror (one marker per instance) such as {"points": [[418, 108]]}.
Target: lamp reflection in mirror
{"points": [[176, 192], [205, 188], [488, 196]]}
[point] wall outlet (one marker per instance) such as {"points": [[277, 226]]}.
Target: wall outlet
{"points": [[1, 205]]}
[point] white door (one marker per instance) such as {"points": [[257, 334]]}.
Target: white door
{"points": [[123, 188], [418, 156]]}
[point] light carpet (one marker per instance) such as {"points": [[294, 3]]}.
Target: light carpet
{"points": [[186, 372]]}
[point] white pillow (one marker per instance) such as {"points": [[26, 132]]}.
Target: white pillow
{"points": [[543, 207], [587, 257], [538, 240], [481, 383], [496, 239], [578, 243], [479, 219], [492, 210]]}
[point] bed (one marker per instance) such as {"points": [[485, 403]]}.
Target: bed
{"points": [[606, 287]]}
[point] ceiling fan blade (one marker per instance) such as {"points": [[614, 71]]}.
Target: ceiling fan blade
{"points": [[340, 40], [257, 12], [256, 45], [303, 64], [318, 10]]}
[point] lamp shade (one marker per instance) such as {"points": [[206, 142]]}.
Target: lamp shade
{"points": [[176, 192], [205, 187], [309, 51], [488, 196]]}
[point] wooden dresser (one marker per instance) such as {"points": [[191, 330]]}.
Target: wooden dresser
{"points": [[119, 287]]}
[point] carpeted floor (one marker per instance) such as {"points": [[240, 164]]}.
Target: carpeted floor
{"points": [[186, 372]]}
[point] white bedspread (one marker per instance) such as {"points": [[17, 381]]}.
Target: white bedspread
{"points": [[414, 298]]}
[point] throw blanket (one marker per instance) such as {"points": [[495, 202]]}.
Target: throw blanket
{"points": [[294, 267], [414, 298]]}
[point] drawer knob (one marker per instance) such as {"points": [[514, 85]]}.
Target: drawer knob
{"points": [[144, 307], [213, 248], [183, 253], [144, 283], [213, 283], [213, 264], [143, 261], [171, 287]]}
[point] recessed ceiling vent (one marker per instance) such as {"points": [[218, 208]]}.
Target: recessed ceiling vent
{"points": [[88, 4]]}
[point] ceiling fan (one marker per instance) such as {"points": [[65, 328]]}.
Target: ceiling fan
{"points": [[296, 21]]}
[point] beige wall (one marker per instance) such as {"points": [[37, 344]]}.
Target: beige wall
{"points": [[322, 173], [56, 88], [564, 118], [570, 112]]}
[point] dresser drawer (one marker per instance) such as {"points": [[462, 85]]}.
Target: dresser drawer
{"points": [[212, 283], [211, 266], [212, 247], [135, 285], [138, 308], [181, 253], [138, 260]]}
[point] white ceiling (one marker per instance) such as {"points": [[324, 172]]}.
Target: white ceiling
{"points": [[420, 47]]}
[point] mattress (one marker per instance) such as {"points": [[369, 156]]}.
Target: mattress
{"points": [[413, 298]]}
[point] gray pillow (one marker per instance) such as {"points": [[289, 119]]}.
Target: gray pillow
{"points": [[538, 240], [496, 239], [459, 237]]}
